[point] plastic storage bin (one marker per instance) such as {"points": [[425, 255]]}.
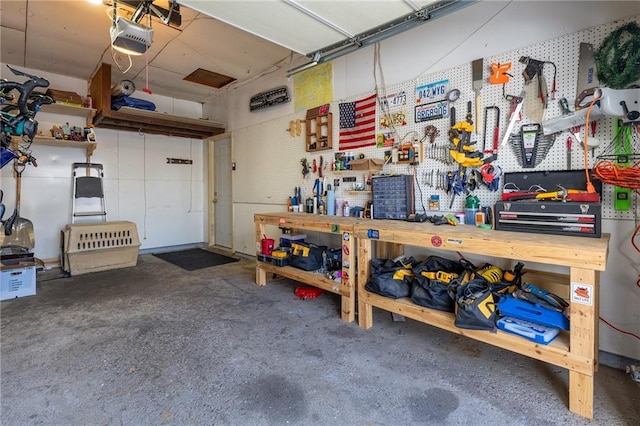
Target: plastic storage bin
{"points": [[392, 196]]}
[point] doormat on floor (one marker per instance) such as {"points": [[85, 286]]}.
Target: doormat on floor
{"points": [[193, 259]]}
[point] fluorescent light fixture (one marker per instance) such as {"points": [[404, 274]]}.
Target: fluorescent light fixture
{"points": [[129, 37]]}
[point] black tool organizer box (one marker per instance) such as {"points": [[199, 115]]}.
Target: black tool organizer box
{"points": [[574, 218], [392, 196]]}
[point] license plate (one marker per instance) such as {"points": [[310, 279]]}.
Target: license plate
{"points": [[431, 111], [432, 91]]}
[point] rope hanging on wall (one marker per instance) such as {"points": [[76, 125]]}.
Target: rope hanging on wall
{"points": [[618, 58]]}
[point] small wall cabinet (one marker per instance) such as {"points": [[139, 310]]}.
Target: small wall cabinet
{"points": [[318, 129]]}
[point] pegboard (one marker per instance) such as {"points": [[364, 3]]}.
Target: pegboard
{"points": [[253, 152], [564, 53]]}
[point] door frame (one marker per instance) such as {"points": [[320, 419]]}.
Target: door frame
{"points": [[211, 229]]}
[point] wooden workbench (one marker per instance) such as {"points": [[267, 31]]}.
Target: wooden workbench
{"points": [[576, 351], [342, 226]]}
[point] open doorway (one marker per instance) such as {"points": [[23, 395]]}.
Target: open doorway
{"points": [[220, 196]]}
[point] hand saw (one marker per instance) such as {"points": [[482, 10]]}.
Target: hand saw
{"points": [[587, 76]]}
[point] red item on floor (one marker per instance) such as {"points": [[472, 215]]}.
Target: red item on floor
{"points": [[308, 292]]}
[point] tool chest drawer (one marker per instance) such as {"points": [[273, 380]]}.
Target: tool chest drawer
{"points": [[557, 218]]}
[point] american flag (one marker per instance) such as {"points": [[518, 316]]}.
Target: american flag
{"points": [[357, 123]]}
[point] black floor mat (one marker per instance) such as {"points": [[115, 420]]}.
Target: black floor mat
{"points": [[196, 258]]}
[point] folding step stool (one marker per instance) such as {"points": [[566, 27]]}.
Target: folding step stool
{"points": [[87, 185]]}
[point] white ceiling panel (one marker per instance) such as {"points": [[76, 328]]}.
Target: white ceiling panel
{"points": [[357, 16], [13, 14], [226, 49], [238, 38], [273, 20], [45, 52], [171, 84], [12, 46], [289, 26]]}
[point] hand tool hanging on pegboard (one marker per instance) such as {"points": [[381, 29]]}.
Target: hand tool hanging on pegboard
{"points": [[622, 196], [495, 130], [530, 145], [514, 114], [535, 68], [476, 72], [499, 73], [587, 76], [305, 167]]}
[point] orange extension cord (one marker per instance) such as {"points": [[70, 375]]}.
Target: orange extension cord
{"points": [[609, 172], [614, 174]]}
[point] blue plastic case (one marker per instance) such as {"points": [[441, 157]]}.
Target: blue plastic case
{"points": [[536, 332]]}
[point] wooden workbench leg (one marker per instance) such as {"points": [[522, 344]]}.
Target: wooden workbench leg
{"points": [[261, 275], [365, 310], [584, 337], [349, 254]]}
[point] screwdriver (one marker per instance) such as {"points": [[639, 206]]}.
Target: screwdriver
{"points": [[569, 152], [593, 135]]}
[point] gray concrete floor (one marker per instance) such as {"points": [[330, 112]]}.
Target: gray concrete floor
{"points": [[156, 344]]}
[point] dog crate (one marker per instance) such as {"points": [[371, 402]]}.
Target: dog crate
{"points": [[93, 247]]}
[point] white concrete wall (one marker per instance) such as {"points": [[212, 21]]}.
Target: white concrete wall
{"points": [[480, 30], [166, 201]]}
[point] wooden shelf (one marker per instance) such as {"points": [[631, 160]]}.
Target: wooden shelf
{"points": [[337, 225], [318, 129], [137, 120], [50, 141], [585, 257], [63, 109]]}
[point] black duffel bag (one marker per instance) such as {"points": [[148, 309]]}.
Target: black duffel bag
{"points": [[430, 283], [307, 256], [390, 278]]}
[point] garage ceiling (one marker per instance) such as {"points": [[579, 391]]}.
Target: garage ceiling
{"points": [[324, 30], [240, 39]]}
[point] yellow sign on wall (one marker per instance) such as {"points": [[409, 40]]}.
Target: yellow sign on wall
{"points": [[313, 87]]}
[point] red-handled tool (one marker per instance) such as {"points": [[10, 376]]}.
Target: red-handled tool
{"points": [[495, 132]]}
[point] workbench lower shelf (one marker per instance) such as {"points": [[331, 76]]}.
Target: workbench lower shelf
{"points": [[310, 278], [339, 226], [576, 350], [556, 352], [313, 279]]}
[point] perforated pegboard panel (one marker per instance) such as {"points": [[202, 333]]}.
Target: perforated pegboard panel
{"points": [[564, 53]]}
